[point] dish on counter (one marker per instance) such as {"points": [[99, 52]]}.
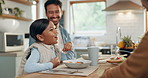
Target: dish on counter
{"points": [[77, 63]]}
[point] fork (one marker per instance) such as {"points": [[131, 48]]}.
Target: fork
{"points": [[72, 72], [69, 72]]}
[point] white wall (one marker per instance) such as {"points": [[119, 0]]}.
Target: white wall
{"points": [[24, 25], [130, 24]]}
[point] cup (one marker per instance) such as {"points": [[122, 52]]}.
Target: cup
{"points": [[93, 55]]}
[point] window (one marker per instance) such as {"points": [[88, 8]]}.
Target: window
{"points": [[88, 18]]}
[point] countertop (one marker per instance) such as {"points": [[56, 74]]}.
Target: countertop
{"points": [[86, 48], [19, 53]]}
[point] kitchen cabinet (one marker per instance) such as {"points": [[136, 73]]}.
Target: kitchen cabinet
{"points": [[9, 64]]}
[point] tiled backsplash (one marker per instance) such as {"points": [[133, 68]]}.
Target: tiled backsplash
{"points": [[133, 26]]}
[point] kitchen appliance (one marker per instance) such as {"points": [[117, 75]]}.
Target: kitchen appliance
{"points": [[10, 42], [105, 50]]}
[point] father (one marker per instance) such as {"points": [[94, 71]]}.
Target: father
{"points": [[53, 9]]}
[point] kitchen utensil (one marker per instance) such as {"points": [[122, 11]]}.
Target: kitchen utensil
{"points": [[70, 72]]}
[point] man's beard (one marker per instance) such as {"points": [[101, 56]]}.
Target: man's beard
{"points": [[57, 20]]}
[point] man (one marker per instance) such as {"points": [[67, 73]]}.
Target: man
{"points": [[53, 9], [136, 65]]}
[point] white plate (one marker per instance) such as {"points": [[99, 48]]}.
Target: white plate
{"points": [[77, 63]]}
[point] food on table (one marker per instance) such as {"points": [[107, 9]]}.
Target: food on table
{"points": [[80, 62], [116, 59]]}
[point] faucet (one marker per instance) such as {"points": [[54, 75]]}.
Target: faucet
{"points": [[118, 35], [115, 49]]}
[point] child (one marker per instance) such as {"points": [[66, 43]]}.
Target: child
{"points": [[42, 54]]}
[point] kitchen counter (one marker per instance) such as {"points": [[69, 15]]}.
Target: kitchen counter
{"points": [[19, 53], [84, 50]]}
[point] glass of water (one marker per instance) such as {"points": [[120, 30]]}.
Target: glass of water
{"points": [[114, 50]]}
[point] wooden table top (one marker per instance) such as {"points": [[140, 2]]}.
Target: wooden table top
{"points": [[95, 74]]}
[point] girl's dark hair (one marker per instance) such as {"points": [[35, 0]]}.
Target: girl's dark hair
{"points": [[56, 2], [37, 27]]}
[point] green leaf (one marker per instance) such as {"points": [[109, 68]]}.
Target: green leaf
{"points": [[2, 2]]}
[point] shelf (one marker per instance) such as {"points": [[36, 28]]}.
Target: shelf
{"points": [[14, 17], [23, 2]]}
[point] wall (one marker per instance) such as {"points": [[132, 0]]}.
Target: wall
{"points": [[131, 24], [24, 25]]}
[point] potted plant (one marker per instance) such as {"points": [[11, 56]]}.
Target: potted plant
{"points": [[1, 2], [18, 12]]}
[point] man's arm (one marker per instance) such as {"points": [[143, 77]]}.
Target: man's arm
{"points": [[136, 65], [70, 54]]}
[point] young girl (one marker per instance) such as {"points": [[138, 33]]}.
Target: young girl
{"points": [[42, 54]]}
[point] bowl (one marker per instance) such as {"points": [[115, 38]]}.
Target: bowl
{"points": [[8, 25], [123, 51], [77, 63]]}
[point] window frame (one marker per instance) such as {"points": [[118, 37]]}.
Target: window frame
{"points": [[72, 28]]}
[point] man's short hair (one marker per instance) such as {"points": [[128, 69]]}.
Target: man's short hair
{"points": [[56, 2]]}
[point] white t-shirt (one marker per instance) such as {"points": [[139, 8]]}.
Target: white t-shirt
{"points": [[60, 41]]}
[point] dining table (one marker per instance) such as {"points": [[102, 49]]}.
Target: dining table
{"points": [[96, 74]]}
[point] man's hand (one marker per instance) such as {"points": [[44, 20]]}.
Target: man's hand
{"points": [[55, 62], [67, 47]]}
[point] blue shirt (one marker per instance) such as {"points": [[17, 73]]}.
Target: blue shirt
{"points": [[32, 64]]}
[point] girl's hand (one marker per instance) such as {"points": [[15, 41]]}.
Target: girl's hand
{"points": [[56, 61]]}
